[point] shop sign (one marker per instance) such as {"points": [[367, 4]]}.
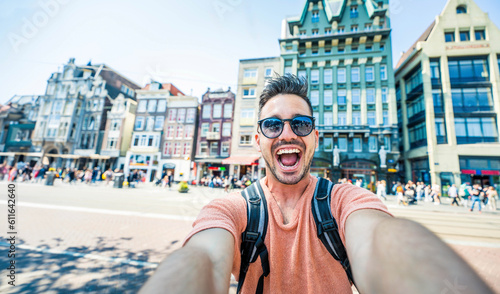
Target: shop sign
{"points": [[216, 168], [490, 172], [392, 170]]}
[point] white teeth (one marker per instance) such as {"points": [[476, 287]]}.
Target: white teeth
{"points": [[288, 151]]}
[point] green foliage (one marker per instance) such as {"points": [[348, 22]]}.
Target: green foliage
{"points": [[183, 187]]}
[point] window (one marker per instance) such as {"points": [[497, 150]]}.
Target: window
{"points": [[143, 141], [371, 118], [472, 99], [214, 148], [191, 113], [204, 129], [226, 129], [288, 70], [382, 47], [479, 34], [341, 76], [328, 118], [356, 96], [438, 101], [139, 123], [159, 123], [383, 72], [462, 9], [314, 98], [225, 149], [315, 17], [181, 115], [468, 70], [245, 140], [440, 130], [473, 130], [328, 143], [112, 144], [341, 97], [170, 132], [355, 74], [187, 149], [464, 36], [341, 30], [340, 50], [188, 132], [172, 113], [203, 148], [414, 81], [356, 118], [385, 115], [343, 144], [328, 31], [177, 149], [354, 11], [342, 119], [328, 76], [248, 92], [179, 132], [302, 33], [368, 27], [372, 144], [228, 110], [387, 143], [370, 96], [385, 95], [250, 73], [207, 111], [115, 125], [162, 106], [449, 37], [152, 106], [354, 49], [268, 72], [216, 128], [316, 116], [150, 123], [369, 74], [217, 111], [328, 97], [315, 32], [302, 74], [142, 106], [418, 135], [435, 73], [354, 28], [314, 76], [357, 146]]}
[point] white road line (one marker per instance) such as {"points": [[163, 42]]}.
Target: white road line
{"points": [[106, 211], [87, 256]]}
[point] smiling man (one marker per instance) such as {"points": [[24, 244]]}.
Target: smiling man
{"points": [[387, 255]]}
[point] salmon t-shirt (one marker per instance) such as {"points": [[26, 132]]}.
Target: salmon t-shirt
{"points": [[299, 262]]}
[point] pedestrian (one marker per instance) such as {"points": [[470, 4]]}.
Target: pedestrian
{"points": [[399, 193], [453, 194], [381, 187], [476, 196], [88, 176], [492, 196], [291, 259]]}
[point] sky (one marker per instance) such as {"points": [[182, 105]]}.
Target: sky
{"points": [[194, 44]]}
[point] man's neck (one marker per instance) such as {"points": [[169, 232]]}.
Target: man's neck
{"points": [[287, 195]]}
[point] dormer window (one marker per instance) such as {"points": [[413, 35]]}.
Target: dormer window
{"points": [[328, 31], [462, 9], [354, 11], [315, 32], [341, 30], [315, 16], [302, 33]]}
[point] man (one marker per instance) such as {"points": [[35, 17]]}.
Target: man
{"points": [[381, 248], [453, 193], [476, 193]]}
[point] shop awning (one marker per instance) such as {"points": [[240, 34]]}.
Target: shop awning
{"points": [[242, 160]]}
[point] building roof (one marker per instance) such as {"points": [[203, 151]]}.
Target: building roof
{"points": [[413, 47], [167, 86]]}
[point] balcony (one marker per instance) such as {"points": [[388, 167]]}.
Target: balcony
{"points": [[475, 108], [213, 135], [475, 140]]}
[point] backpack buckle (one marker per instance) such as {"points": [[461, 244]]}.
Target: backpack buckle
{"points": [[327, 226], [250, 237]]}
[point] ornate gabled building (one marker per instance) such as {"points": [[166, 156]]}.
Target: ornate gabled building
{"points": [[343, 48], [448, 97]]}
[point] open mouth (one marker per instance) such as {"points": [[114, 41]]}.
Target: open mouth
{"points": [[288, 158]]}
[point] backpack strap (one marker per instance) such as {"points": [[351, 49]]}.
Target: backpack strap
{"points": [[252, 245], [328, 231]]}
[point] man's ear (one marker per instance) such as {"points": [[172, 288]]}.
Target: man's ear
{"points": [[257, 141], [316, 133]]}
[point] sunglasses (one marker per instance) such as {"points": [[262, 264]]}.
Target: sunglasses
{"points": [[272, 127]]}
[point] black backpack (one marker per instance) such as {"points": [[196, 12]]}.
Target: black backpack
{"points": [[252, 245]]}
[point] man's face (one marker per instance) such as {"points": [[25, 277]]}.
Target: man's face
{"points": [[288, 156]]}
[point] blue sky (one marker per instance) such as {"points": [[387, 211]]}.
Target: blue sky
{"points": [[195, 44]]}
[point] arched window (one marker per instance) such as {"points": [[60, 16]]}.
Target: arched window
{"points": [[462, 9]]}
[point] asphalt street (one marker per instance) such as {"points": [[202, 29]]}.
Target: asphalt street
{"points": [[88, 239]]}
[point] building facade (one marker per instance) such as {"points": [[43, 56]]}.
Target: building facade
{"points": [[144, 153], [252, 77], [179, 140], [214, 137], [118, 131], [448, 89], [343, 48], [72, 115]]}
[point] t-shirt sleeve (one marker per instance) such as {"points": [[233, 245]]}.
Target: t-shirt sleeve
{"points": [[228, 213], [347, 198]]}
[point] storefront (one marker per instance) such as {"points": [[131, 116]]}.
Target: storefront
{"points": [[359, 170], [243, 166], [420, 170], [480, 170], [148, 163]]}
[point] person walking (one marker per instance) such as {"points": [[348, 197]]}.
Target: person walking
{"points": [[492, 196], [476, 197], [453, 193]]}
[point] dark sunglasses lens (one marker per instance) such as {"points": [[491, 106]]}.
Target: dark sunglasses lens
{"points": [[271, 127], [302, 126]]}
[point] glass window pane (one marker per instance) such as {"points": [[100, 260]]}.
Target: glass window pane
{"points": [[480, 69], [466, 69], [489, 127], [456, 96], [453, 68], [460, 127], [342, 144], [314, 98], [474, 127], [470, 97], [328, 144]]}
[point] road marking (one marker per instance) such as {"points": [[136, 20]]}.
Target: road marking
{"points": [[106, 211], [87, 256], [471, 243]]}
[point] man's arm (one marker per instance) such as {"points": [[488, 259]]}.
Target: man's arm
{"points": [[391, 255], [203, 265]]}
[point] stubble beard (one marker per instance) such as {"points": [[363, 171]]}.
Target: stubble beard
{"points": [[290, 180]]}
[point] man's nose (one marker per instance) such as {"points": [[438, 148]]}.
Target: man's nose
{"points": [[287, 133]]}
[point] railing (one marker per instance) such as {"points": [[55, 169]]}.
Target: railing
{"points": [[213, 136]]}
